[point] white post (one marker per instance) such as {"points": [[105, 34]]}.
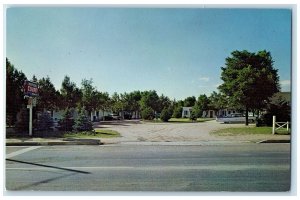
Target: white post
{"points": [[274, 121], [287, 126], [30, 115]]}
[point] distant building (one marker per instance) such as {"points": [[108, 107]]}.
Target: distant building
{"points": [[209, 114], [186, 112], [94, 116]]}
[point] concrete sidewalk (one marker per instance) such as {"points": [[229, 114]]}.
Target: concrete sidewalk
{"points": [[50, 141], [71, 141]]}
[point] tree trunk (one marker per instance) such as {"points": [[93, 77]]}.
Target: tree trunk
{"points": [[247, 123]]}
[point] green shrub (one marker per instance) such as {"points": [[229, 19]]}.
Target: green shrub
{"points": [[67, 122], [193, 115], [44, 122], [147, 113], [165, 114], [177, 113], [22, 124], [83, 123]]}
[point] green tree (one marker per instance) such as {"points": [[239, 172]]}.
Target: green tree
{"points": [[116, 103], [189, 101], [249, 79], [279, 106], [14, 92], [70, 94], [48, 98], [90, 96], [104, 102], [149, 99], [201, 105], [67, 121], [147, 113], [194, 113], [22, 124], [197, 112], [136, 98], [129, 102], [217, 101], [82, 122], [166, 114], [163, 102], [44, 122], [177, 112]]}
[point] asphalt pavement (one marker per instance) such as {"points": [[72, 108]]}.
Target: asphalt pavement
{"points": [[198, 168]]}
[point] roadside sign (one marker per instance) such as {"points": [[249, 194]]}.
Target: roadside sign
{"points": [[31, 89]]}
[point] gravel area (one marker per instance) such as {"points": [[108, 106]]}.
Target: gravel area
{"points": [[136, 131]]}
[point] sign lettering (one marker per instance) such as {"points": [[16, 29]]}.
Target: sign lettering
{"points": [[30, 89]]}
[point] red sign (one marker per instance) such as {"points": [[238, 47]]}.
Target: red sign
{"points": [[31, 89]]}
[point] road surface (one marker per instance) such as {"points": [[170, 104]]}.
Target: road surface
{"points": [[246, 167]]}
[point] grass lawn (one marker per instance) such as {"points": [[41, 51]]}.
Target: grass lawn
{"points": [[99, 133], [180, 120], [187, 120], [249, 131]]}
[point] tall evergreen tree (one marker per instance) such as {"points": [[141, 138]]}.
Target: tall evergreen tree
{"points": [[14, 92]]}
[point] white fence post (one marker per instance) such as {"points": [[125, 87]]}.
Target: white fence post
{"points": [[287, 126], [274, 121]]}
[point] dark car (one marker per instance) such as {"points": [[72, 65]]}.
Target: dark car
{"points": [[127, 115]]}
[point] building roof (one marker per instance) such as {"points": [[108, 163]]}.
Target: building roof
{"points": [[281, 96]]}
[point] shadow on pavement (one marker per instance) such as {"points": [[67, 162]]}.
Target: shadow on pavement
{"points": [[44, 181], [49, 179], [116, 123], [49, 166]]}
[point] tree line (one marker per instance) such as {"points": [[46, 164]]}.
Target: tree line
{"points": [[249, 80], [148, 104]]}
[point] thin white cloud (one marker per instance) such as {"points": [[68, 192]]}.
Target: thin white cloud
{"points": [[206, 79], [285, 82], [217, 85], [206, 86]]}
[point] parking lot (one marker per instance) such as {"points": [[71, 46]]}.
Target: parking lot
{"points": [[137, 131]]}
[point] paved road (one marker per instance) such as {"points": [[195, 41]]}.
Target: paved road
{"points": [[247, 167]]}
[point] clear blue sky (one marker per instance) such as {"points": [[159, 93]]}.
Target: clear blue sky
{"points": [[177, 52]]}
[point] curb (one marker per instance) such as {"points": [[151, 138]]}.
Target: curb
{"points": [[274, 141], [65, 142]]}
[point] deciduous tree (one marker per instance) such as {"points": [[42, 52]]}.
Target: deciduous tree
{"points": [[189, 101], [249, 79], [71, 95]]}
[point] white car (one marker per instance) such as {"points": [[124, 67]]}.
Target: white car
{"points": [[236, 118], [115, 116]]}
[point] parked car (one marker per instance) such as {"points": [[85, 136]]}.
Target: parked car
{"points": [[115, 116], [127, 115], [235, 118]]}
